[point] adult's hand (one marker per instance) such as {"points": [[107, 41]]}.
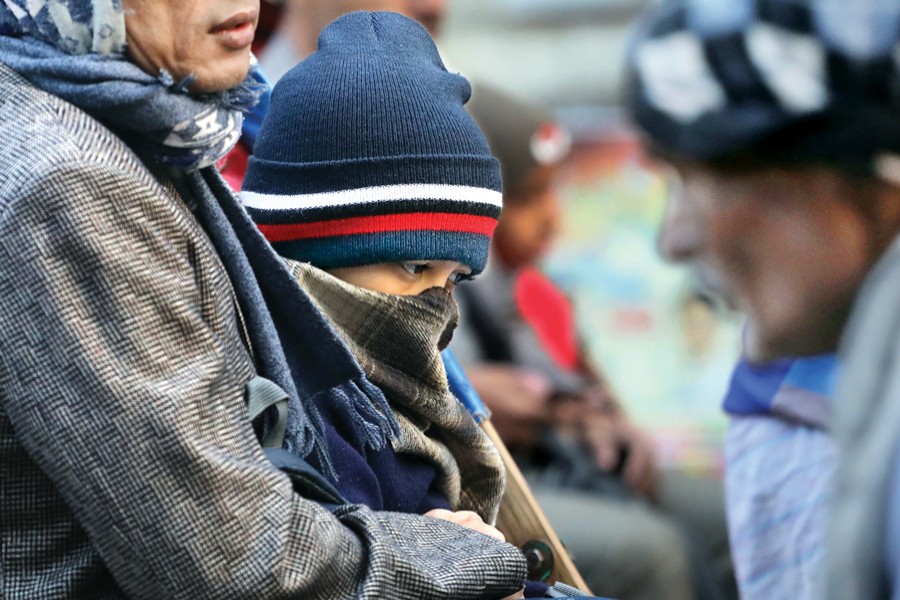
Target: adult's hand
{"points": [[471, 520], [517, 398], [612, 436], [467, 519], [616, 444]]}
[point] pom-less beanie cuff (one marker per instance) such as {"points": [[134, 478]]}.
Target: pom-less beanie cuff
{"points": [[379, 210], [383, 246], [368, 155]]}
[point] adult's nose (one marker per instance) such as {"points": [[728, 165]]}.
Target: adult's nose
{"points": [[682, 229]]}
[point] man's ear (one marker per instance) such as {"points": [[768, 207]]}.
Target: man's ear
{"points": [[886, 197]]}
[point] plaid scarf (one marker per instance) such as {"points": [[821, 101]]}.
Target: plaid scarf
{"points": [[397, 341], [75, 49]]}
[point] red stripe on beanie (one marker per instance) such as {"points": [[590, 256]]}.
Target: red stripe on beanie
{"points": [[380, 224]]}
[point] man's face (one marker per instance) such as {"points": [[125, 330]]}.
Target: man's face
{"points": [[790, 245], [209, 39]]}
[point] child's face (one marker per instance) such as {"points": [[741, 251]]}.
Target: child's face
{"points": [[405, 278], [528, 225]]}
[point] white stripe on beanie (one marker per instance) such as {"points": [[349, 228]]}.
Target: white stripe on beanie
{"points": [[372, 195]]}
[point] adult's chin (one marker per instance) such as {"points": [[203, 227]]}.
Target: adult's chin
{"points": [[220, 74], [766, 344], [758, 348]]}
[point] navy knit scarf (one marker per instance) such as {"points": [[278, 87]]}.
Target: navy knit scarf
{"points": [[74, 49], [293, 343]]}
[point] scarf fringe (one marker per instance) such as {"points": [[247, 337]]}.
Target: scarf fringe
{"points": [[304, 435], [368, 409], [244, 253]]}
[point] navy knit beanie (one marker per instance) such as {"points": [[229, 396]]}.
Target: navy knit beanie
{"points": [[368, 156]]}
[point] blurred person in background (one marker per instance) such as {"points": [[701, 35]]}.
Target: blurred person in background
{"points": [[633, 531], [780, 122], [302, 20], [780, 458]]}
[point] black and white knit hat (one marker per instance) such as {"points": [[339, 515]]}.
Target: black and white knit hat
{"points": [[785, 80], [368, 156]]}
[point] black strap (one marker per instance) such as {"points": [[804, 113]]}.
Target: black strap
{"points": [[263, 394], [308, 482]]}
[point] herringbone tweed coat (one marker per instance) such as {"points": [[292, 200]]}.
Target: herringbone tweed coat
{"points": [[127, 465]]}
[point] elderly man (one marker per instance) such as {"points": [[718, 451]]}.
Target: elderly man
{"points": [[139, 338], [780, 121]]}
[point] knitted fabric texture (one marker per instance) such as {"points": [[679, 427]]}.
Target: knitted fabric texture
{"points": [[368, 155], [397, 341], [794, 81]]}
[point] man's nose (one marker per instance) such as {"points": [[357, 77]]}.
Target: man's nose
{"points": [[681, 232]]}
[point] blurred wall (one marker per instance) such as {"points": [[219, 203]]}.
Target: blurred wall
{"points": [[557, 52]]}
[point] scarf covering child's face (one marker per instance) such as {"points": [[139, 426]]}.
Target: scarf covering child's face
{"points": [[407, 278]]}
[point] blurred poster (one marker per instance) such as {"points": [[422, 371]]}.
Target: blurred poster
{"points": [[667, 347]]}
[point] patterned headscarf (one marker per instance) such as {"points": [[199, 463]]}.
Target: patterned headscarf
{"points": [[74, 49]]}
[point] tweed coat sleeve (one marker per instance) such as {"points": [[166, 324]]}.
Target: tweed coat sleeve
{"points": [[122, 375]]}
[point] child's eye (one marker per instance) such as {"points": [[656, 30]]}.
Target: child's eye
{"points": [[460, 276], [415, 268]]}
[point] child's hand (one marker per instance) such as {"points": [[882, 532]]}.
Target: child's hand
{"points": [[468, 519]]}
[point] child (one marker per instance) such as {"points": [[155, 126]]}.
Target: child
{"points": [[371, 178]]}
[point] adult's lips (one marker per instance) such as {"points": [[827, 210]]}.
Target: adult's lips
{"points": [[238, 30]]}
